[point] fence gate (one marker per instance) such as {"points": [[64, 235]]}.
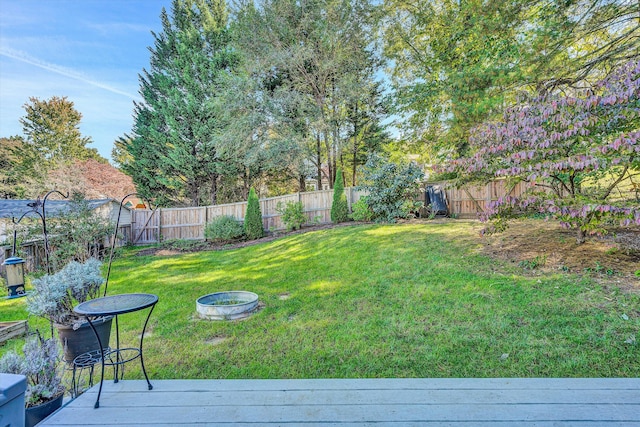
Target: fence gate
{"points": [[145, 226]]}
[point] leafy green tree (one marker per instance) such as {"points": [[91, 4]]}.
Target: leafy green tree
{"points": [[339, 207], [11, 180], [52, 141], [460, 63], [52, 131], [173, 141], [311, 61], [253, 218], [392, 188]]}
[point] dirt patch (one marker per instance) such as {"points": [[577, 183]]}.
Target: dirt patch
{"points": [[539, 246]]}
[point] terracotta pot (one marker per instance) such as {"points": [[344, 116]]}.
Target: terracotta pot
{"points": [[82, 340], [35, 414]]}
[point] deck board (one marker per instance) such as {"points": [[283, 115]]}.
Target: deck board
{"points": [[350, 402]]}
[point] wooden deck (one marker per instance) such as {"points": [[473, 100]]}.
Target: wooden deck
{"points": [[406, 402]]}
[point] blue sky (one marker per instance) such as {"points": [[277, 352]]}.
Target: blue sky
{"points": [[90, 51]]}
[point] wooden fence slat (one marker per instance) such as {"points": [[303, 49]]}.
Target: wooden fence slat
{"points": [[189, 223]]}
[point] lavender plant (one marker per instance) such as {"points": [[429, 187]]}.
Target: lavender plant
{"points": [[580, 154], [40, 363], [55, 295]]}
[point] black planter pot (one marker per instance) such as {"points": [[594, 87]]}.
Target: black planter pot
{"points": [[35, 414], [82, 340]]}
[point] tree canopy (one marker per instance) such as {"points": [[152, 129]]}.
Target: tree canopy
{"points": [[172, 153], [579, 153]]}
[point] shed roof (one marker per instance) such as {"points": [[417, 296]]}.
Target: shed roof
{"points": [[16, 208]]}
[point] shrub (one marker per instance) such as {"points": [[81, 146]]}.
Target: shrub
{"points": [[253, 218], [41, 365], [77, 234], [391, 188], [292, 214], [223, 228], [361, 210], [340, 207], [55, 295]]}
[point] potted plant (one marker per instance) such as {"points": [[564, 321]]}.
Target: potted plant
{"points": [[40, 363], [54, 297]]}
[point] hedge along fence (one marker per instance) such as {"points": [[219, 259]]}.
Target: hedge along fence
{"points": [[150, 226], [189, 223]]}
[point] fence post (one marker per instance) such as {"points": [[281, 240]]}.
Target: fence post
{"points": [[159, 225]]}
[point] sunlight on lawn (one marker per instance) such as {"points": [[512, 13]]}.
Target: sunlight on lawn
{"points": [[402, 300]]}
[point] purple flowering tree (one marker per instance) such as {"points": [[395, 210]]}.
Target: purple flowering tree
{"points": [[580, 154]]}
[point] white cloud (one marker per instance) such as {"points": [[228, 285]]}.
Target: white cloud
{"points": [[67, 72]]}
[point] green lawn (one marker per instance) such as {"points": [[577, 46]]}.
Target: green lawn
{"points": [[414, 300]]}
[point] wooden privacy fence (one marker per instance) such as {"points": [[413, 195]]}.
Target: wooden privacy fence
{"points": [[151, 226], [469, 201]]}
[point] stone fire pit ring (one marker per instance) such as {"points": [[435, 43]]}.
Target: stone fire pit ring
{"points": [[227, 305]]}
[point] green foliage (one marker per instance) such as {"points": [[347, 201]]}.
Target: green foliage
{"points": [[253, 227], [532, 264], [310, 79], [52, 131], [292, 214], [40, 363], [223, 228], [77, 234], [340, 207], [183, 245], [361, 210], [55, 295], [172, 154], [456, 63], [372, 317], [392, 188]]}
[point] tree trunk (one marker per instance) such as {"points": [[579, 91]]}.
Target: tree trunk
{"points": [[214, 188], [194, 194], [302, 183], [581, 236], [327, 145], [355, 146], [319, 161]]}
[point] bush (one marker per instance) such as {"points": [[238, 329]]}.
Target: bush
{"points": [[361, 210], [340, 207], [223, 228], [292, 214], [391, 187], [253, 218], [41, 365], [77, 234]]}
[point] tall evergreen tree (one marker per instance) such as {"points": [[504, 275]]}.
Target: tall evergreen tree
{"points": [[253, 217], [340, 207], [172, 148]]}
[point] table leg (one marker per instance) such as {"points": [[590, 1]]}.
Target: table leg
{"points": [[117, 365], [144, 328], [97, 405]]}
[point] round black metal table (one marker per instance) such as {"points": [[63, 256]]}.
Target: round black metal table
{"points": [[116, 305]]}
